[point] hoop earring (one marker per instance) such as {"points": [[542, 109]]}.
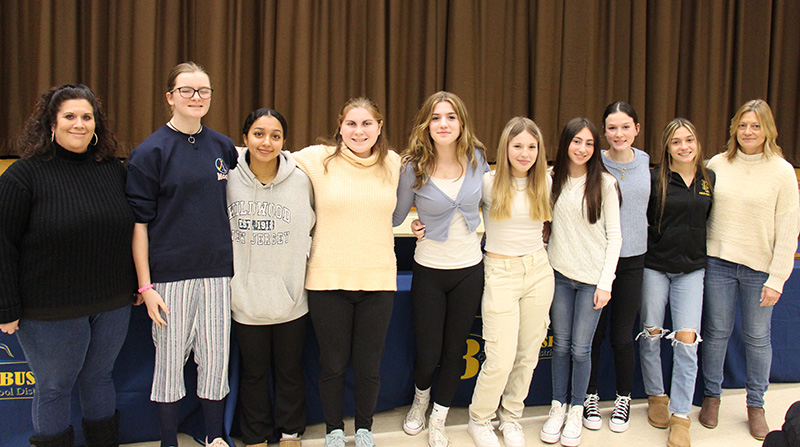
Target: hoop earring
{"points": [[52, 136], [96, 140]]}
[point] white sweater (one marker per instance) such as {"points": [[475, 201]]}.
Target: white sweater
{"points": [[581, 251], [754, 217]]}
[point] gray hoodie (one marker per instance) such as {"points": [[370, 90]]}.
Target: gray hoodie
{"points": [[270, 228]]}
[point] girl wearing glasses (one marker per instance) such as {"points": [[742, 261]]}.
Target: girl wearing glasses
{"points": [[182, 250]]}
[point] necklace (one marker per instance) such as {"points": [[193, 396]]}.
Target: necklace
{"points": [[622, 171], [190, 138]]}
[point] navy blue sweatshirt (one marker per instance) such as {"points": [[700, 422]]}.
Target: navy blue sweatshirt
{"points": [[178, 189]]}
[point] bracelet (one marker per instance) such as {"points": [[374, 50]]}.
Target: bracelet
{"points": [[145, 288]]}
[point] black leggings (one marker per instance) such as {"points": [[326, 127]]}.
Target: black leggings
{"points": [[444, 304], [626, 299], [350, 325], [263, 346]]}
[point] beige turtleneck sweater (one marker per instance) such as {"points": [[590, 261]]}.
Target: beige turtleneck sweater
{"points": [[754, 216], [352, 246]]}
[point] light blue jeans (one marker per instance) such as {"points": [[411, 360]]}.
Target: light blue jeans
{"points": [[573, 320], [726, 285], [684, 293]]}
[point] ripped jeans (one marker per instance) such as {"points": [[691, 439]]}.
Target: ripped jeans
{"points": [[684, 293]]}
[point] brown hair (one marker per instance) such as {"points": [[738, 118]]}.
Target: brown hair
{"points": [[381, 146], [420, 152], [665, 164], [36, 138]]}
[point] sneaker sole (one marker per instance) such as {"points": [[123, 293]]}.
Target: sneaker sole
{"points": [[570, 442], [549, 438], [411, 432], [593, 425], [618, 428]]}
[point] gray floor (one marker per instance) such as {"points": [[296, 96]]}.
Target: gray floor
{"points": [[732, 430]]}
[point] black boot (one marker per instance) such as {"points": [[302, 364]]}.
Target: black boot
{"points": [[102, 433], [63, 439]]}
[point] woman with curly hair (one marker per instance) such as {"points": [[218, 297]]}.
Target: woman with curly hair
{"points": [[66, 271]]}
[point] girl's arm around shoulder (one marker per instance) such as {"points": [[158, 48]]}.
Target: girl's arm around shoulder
{"points": [[310, 158], [486, 188], [405, 194], [613, 231]]}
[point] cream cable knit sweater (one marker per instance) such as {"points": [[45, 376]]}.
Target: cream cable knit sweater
{"points": [[352, 246], [582, 251], [754, 216]]}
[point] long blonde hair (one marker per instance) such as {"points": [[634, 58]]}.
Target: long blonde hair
{"points": [[420, 152], [666, 161], [765, 119], [503, 187]]}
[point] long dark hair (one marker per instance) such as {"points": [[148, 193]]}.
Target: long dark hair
{"points": [[593, 190], [36, 139], [258, 113]]}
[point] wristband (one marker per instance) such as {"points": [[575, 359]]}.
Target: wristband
{"points": [[145, 288]]}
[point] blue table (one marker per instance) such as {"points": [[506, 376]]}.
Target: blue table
{"points": [[134, 369]]}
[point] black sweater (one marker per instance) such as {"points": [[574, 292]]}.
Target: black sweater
{"points": [[677, 243], [65, 238]]}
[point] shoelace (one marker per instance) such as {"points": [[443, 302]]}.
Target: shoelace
{"points": [[416, 414], [486, 430], [364, 438], [437, 436], [591, 408], [622, 406], [513, 429]]}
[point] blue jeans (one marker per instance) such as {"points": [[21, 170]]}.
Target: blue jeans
{"points": [[726, 285], [65, 352], [573, 320], [684, 293]]}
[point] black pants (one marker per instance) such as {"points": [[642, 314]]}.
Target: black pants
{"points": [[262, 347], [350, 325], [444, 304], [626, 299]]}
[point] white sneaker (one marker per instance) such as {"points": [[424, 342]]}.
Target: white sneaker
{"points": [[335, 438], [621, 416], [483, 434], [552, 427], [217, 442], [571, 435], [436, 435], [513, 436], [591, 412], [415, 418], [364, 438]]}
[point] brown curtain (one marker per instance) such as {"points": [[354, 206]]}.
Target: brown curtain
{"points": [[550, 60]]}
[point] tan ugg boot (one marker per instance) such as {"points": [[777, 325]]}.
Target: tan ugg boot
{"points": [[709, 413], [758, 423], [679, 432], [658, 411]]}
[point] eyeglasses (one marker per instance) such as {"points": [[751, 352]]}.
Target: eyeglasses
{"points": [[188, 92]]}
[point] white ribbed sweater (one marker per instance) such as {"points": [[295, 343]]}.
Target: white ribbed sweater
{"points": [[352, 246], [754, 216]]}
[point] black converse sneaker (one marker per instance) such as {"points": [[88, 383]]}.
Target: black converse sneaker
{"points": [[591, 412], [620, 417]]}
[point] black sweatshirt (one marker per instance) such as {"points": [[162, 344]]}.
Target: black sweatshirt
{"points": [[677, 243], [65, 238]]}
